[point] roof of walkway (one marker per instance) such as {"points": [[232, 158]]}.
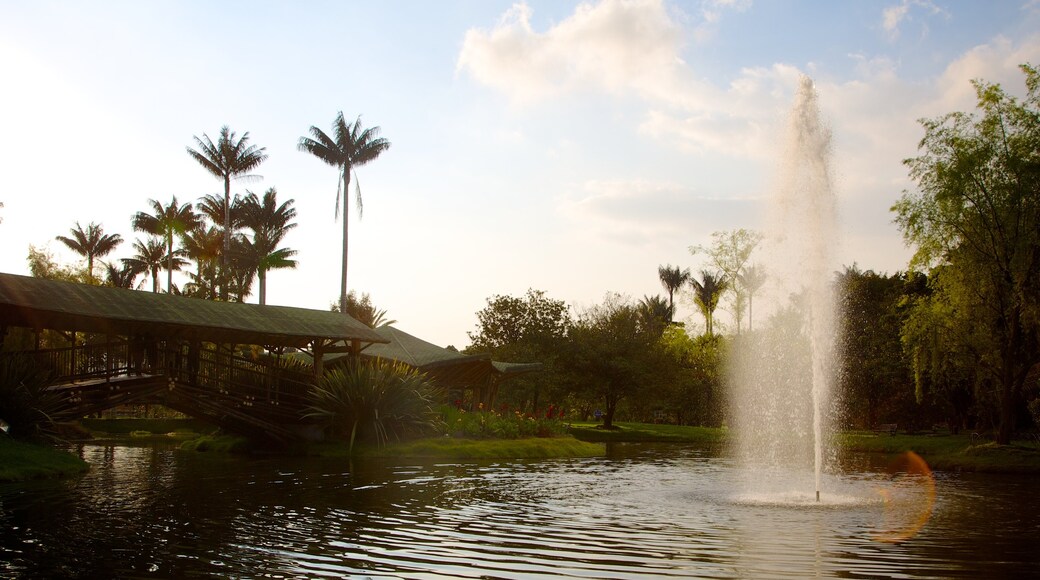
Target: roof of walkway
{"points": [[69, 306]]}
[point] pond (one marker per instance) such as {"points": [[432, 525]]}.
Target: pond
{"points": [[642, 511]]}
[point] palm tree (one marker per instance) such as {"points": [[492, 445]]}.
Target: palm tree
{"points": [[672, 278], [706, 293], [226, 159], [352, 147], [90, 243], [364, 311], [166, 222], [752, 279], [124, 277], [149, 258], [204, 245], [654, 314], [270, 222]]}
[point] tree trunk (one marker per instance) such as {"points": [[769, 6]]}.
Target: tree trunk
{"points": [[343, 276], [227, 239], [261, 277], [169, 262]]}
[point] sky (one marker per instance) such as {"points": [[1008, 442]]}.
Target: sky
{"points": [[568, 147]]}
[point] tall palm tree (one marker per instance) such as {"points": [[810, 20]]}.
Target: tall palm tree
{"points": [[229, 158], [270, 222], [90, 243], [167, 222], [752, 279], [672, 278], [149, 258], [352, 146], [706, 293]]}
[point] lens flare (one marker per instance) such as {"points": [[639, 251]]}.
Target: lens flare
{"points": [[908, 500]]}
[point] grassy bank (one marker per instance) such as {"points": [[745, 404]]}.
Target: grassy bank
{"points": [[950, 452], [141, 427], [20, 461], [648, 433]]}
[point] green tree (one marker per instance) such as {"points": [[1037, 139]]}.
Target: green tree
{"points": [[203, 244], [150, 257], [976, 214], [167, 222], [269, 222], [351, 147], [655, 314], [43, 265], [673, 279], [614, 356], [362, 309], [706, 294], [124, 276], [533, 328], [696, 393], [229, 158], [751, 279], [729, 253], [90, 243]]}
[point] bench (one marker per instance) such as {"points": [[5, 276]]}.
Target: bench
{"points": [[889, 428]]}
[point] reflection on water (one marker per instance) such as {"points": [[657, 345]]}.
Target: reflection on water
{"points": [[644, 511]]}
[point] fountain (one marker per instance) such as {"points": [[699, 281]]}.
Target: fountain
{"points": [[782, 374]]}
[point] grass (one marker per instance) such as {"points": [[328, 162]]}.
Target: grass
{"points": [[20, 461], [649, 433], [950, 452], [218, 444], [456, 448], [141, 427]]}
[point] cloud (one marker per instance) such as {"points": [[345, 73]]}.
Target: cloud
{"points": [[640, 212], [619, 46], [893, 17]]}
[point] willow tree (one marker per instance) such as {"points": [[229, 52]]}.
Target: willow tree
{"points": [[975, 217], [350, 146]]}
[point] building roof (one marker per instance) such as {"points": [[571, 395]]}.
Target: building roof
{"points": [[69, 306]]}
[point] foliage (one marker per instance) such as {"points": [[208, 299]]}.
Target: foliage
{"points": [[364, 311], [90, 243], [374, 402], [269, 222], [875, 376], [975, 220], [673, 279], [529, 329], [25, 403], [613, 356], [706, 294], [501, 423], [43, 265], [650, 433], [351, 147], [695, 390], [166, 222], [730, 253], [124, 276]]}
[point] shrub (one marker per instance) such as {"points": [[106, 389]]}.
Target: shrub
{"points": [[374, 402], [499, 424], [25, 403]]}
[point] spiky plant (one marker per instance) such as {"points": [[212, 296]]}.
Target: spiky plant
{"points": [[374, 402], [25, 404]]}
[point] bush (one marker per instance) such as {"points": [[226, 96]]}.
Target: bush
{"points": [[25, 402], [500, 424], [374, 402]]}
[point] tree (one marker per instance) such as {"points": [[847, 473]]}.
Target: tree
{"points": [[167, 222], [121, 277], [90, 243], [43, 265], [976, 216], [351, 147], [614, 356], [203, 244], [229, 158], [729, 253], [533, 328], [270, 222], [706, 294], [654, 314], [673, 279], [752, 278], [149, 258], [364, 311]]}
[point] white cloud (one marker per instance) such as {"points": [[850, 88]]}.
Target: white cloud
{"points": [[893, 17]]}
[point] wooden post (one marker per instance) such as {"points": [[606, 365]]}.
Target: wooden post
{"points": [[318, 349], [109, 339]]}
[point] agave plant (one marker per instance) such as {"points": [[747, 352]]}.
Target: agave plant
{"points": [[374, 402], [25, 403]]}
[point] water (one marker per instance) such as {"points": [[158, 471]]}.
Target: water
{"points": [[782, 375], [643, 511]]}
